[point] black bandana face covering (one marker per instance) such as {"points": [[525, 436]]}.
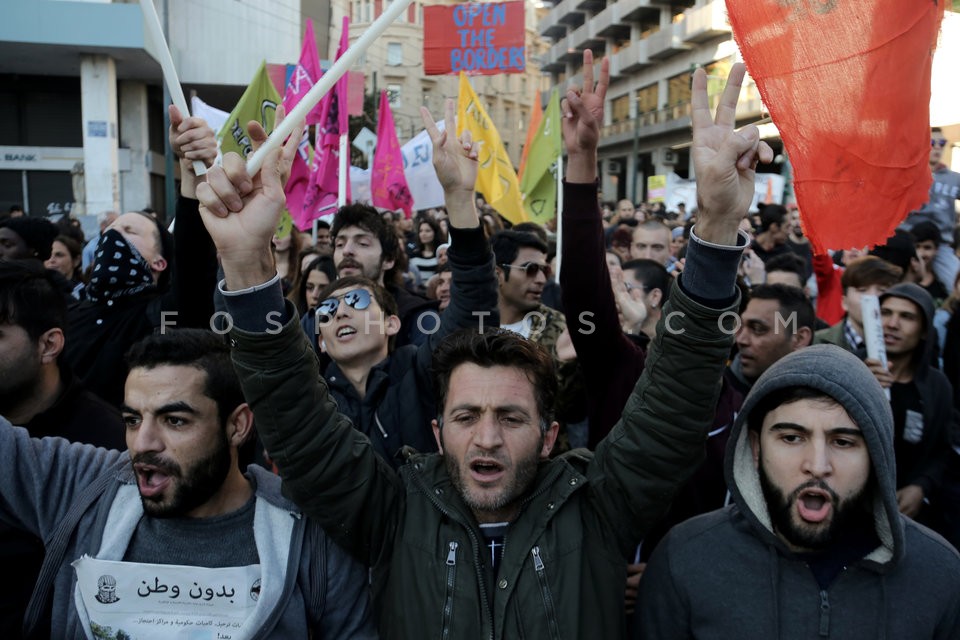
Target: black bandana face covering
{"points": [[118, 269]]}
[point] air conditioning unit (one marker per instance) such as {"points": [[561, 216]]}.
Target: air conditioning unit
{"points": [[669, 156], [613, 166]]}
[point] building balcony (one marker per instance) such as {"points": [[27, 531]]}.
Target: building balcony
{"points": [[637, 10], [665, 43], [554, 60], [561, 17], [586, 37], [609, 23], [592, 6], [704, 23], [677, 117], [629, 59]]}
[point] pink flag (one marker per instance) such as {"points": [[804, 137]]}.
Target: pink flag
{"points": [[304, 76], [321, 198], [388, 184]]}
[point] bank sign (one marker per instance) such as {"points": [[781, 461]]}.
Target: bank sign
{"points": [[478, 38]]}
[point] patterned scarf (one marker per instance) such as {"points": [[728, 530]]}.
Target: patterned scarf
{"points": [[118, 269]]}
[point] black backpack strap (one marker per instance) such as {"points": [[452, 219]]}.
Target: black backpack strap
{"points": [[55, 550]]}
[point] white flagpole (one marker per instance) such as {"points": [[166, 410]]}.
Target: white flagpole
{"points": [[343, 173], [326, 82], [559, 212], [152, 22]]}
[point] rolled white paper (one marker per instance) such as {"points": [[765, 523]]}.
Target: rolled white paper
{"points": [[325, 84], [152, 22], [873, 330]]}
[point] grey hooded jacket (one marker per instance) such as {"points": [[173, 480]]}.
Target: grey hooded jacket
{"points": [[42, 480], [727, 575]]}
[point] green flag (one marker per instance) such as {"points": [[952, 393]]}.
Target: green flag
{"points": [[539, 182], [259, 102]]}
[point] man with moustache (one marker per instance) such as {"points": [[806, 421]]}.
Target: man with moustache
{"points": [[493, 538], [814, 544], [176, 497], [365, 245]]}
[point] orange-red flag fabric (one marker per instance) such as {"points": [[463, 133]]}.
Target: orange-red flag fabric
{"points": [[847, 83], [535, 119]]}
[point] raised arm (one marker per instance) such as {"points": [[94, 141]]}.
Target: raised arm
{"points": [[329, 468], [659, 440]]}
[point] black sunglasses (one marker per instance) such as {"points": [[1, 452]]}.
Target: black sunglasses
{"points": [[359, 299], [942, 142], [531, 268]]}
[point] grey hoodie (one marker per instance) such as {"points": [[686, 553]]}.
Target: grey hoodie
{"points": [[727, 575], [323, 590]]}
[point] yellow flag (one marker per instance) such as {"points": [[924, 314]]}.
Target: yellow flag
{"points": [[496, 179]]}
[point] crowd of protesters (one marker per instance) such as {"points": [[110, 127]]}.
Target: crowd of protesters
{"points": [[680, 434]]}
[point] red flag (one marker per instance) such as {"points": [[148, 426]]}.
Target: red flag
{"points": [[387, 182], [321, 197], [848, 86]]}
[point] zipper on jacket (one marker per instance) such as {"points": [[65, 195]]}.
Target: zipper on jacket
{"points": [[545, 592], [376, 418], [476, 545], [824, 615], [451, 581]]}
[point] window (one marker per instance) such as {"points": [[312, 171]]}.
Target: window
{"points": [[647, 99], [394, 53], [393, 95], [678, 89], [620, 109]]}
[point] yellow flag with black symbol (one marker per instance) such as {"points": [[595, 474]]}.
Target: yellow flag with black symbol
{"points": [[539, 182], [496, 178]]}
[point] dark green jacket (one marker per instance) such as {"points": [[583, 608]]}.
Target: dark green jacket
{"points": [[563, 570]]}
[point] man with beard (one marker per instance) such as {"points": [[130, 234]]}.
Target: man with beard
{"points": [[365, 245], [492, 538], [38, 392], [176, 497], [813, 544], [143, 278]]}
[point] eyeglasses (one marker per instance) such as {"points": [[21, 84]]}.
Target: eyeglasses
{"points": [[358, 299], [531, 268], [942, 142]]}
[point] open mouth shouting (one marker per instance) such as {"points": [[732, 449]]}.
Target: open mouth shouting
{"points": [[486, 470], [151, 480], [814, 505]]}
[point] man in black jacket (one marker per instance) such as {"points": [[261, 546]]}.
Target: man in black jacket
{"points": [[143, 279]]}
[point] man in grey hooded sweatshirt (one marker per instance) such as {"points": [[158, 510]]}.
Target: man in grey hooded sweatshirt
{"points": [[813, 545]]}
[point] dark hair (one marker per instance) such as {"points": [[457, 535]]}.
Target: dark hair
{"points": [[652, 274], [771, 214], [497, 348], [926, 231], [75, 249], [36, 233], [506, 246], [438, 238], [323, 264], [870, 270], [531, 227], [368, 219], [792, 302], [898, 250], [323, 224], [198, 349], [30, 298], [780, 397], [380, 294], [790, 263]]}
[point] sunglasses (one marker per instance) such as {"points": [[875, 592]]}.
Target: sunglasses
{"points": [[531, 268], [939, 143], [358, 299]]}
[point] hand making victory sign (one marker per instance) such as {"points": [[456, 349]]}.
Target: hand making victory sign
{"points": [[582, 117], [455, 161], [724, 159]]}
